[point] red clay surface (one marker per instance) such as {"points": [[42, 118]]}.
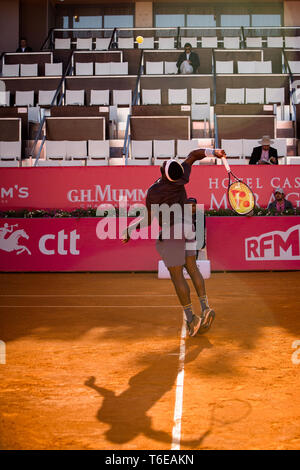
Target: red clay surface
{"points": [[241, 388]]}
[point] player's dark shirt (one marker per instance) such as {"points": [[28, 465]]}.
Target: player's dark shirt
{"points": [[168, 192]]}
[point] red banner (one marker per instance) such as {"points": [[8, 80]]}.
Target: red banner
{"points": [[70, 188]]}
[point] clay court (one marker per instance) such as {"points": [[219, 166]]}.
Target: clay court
{"points": [[241, 387]]}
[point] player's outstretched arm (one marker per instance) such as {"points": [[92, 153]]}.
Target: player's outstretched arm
{"points": [[199, 154], [145, 221]]}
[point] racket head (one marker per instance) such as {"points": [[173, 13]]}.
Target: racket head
{"points": [[241, 198]]}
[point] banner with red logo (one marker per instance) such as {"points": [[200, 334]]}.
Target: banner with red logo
{"points": [[68, 244], [75, 187]]}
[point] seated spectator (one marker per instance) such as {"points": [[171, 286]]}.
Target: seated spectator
{"points": [[188, 61], [23, 46], [264, 154], [280, 204]]}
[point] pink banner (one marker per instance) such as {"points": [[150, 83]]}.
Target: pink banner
{"points": [[233, 243], [253, 243], [71, 188]]}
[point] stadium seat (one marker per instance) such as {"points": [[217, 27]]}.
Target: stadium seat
{"points": [[281, 146], [294, 66], [255, 95], [125, 43], [200, 112], [76, 149], [151, 96], [275, 95], [209, 42], [24, 98], [84, 44], [154, 68], [99, 150], [29, 70], [235, 96], [141, 152], [184, 147], [4, 98], [99, 97], [275, 41], [102, 44], [233, 147], [62, 43], [200, 95], [45, 97], [191, 40], [10, 150], [10, 70], [177, 96], [224, 66], [75, 97], [56, 149], [163, 150], [84, 68], [171, 68], [119, 68], [293, 160], [231, 42], [166, 43], [53, 70], [248, 146], [9, 163], [254, 42], [246, 66], [263, 66], [122, 97], [102, 68], [292, 42], [148, 43]]}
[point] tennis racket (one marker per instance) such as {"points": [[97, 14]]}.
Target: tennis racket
{"points": [[240, 196]]}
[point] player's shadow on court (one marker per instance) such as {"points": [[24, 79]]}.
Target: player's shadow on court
{"points": [[126, 413]]}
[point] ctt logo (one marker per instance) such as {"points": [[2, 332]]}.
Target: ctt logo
{"points": [[274, 246], [13, 192]]}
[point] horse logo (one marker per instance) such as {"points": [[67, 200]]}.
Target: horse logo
{"points": [[11, 243]]}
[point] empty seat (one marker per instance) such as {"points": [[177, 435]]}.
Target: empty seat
{"points": [[163, 150], [235, 96], [102, 68], [10, 150], [154, 68], [184, 147], [224, 66], [102, 44], [76, 149], [233, 147], [46, 97], [46, 163], [190, 40], [62, 43], [231, 42], [209, 42], [293, 160], [24, 98], [75, 97], [99, 150], [263, 66], [200, 112], [29, 70], [177, 96], [53, 70], [254, 42], [255, 95], [125, 43], [166, 43], [148, 43], [294, 66], [122, 97], [84, 44], [99, 97], [275, 41], [171, 68], [292, 42], [4, 98], [248, 146], [119, 68], [151, 96], [84, 68], [141, 152], [246, 66], [275, 95], [9, 163], [10, 70], [200, 95], [281, 146], [56, 149]]}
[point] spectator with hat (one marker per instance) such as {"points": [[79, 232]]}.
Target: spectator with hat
{"points": [[264, 154], [280, 204]]}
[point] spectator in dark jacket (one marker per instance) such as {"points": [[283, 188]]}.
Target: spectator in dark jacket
{"points": [[188, 61], [23, 46], [265, 154], [280, 204]]}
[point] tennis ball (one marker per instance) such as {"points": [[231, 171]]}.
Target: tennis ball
{"points": [[140, 39]]}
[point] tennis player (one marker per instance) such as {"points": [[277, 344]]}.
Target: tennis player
{"points": [[178, 252]]}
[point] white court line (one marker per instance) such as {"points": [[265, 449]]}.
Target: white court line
{"points": [[176, 432]]}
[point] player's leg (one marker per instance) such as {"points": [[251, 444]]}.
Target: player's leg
{"points": [[207, 313], [183, 292]]}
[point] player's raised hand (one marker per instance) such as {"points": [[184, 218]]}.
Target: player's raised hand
{"points": [[220, 153]]}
